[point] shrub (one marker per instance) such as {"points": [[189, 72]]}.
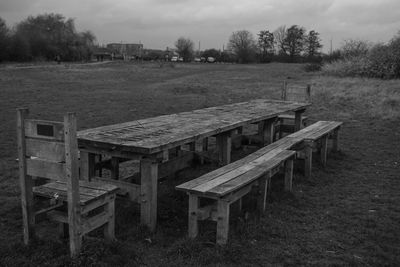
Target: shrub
{"points": [[312, 67]]}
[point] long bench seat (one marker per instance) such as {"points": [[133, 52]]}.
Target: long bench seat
{"points": [[231, 182]]}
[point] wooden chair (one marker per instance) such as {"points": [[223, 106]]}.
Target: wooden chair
{"points": [[48, 151], [285, 123]]}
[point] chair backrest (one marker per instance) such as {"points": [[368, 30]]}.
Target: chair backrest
{"points": [[48, 149], [296, 93]]}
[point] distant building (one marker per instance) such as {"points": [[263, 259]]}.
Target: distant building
{"points": [[126, 51], [102, 53]]}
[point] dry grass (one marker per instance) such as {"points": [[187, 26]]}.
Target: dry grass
{"points": [[346, 214]]}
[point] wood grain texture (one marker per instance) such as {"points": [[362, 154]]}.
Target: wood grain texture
{"points": [[156, 134]]}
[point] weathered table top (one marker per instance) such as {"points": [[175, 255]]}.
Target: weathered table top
{"points": [[152, 135]]}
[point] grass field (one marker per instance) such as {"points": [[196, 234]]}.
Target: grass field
{"points": [[346, 214]]}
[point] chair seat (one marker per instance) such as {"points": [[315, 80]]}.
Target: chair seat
{"points": [[88, 191]]}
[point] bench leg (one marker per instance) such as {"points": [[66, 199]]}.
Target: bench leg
{"points": [[224, 148], [324, 150], [222, 222], [193, 228], [308, 159], [335, 145], [148, 193], [262, 192], [109, 227], [87, 165], [75, 239], [114, 168], [288, 175]]}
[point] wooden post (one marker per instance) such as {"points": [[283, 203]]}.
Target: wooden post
{"points": [[192, 146], [109, 227], [289, 174], [205, 144], [114, 168], [26, 183], [335, 143], [324, 149], [72, 180], [262, 192], [148, 192], [222, 222], [308, 158], [193, 229], [266, 131], [308, 93], [224, 144], [284, 91], [87, 164], [165, 155], [298, 120]]}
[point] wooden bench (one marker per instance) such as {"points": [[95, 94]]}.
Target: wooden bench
{"points": [[49, 150], [230, 183]]}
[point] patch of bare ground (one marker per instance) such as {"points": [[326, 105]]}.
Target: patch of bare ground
{"points": [[346, 214]]}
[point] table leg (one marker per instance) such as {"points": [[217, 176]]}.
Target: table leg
{"points": [[148, 193], [224, 143], [266, 131], [297, 119], [87, 165], [114, 168]]}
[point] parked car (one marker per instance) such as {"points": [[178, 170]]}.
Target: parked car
{"points": [[197, 59], [174, 59], [210, 60], [180, 59]]}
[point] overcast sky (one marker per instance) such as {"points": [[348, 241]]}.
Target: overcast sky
{"points": [[158, 23]]}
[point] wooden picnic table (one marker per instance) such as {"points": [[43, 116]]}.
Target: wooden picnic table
{"points": [[151, 141]]}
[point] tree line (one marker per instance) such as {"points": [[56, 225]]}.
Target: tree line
{"points": [[45, 37], [293, 44]]}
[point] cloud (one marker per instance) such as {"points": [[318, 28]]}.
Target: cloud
{"points": [[158, 23]]}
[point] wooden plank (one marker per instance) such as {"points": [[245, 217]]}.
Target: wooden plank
{"points": [[49, 130], [156, 134], [325, 128], [183, 161], [124, 188], [72, 181], [193, 228], [57, 194], [324, 150], [266, 158], [94, 222], [308, 159], [253, 174], [25, 180], [222, 222], [224, 144], [109, 228], [148, 205], [46, 169], [49, 150], [288, 175]]}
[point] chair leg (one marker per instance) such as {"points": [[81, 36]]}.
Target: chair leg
{"points": [[109, 227], [222, 222], [75, 240]]}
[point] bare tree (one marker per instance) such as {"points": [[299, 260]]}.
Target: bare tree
{"points": [[185, 48], [243, 45], [279, 36], [4, 39]]}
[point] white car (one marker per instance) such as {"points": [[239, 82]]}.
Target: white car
{"points": [[210, 60], [174, 59]]}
